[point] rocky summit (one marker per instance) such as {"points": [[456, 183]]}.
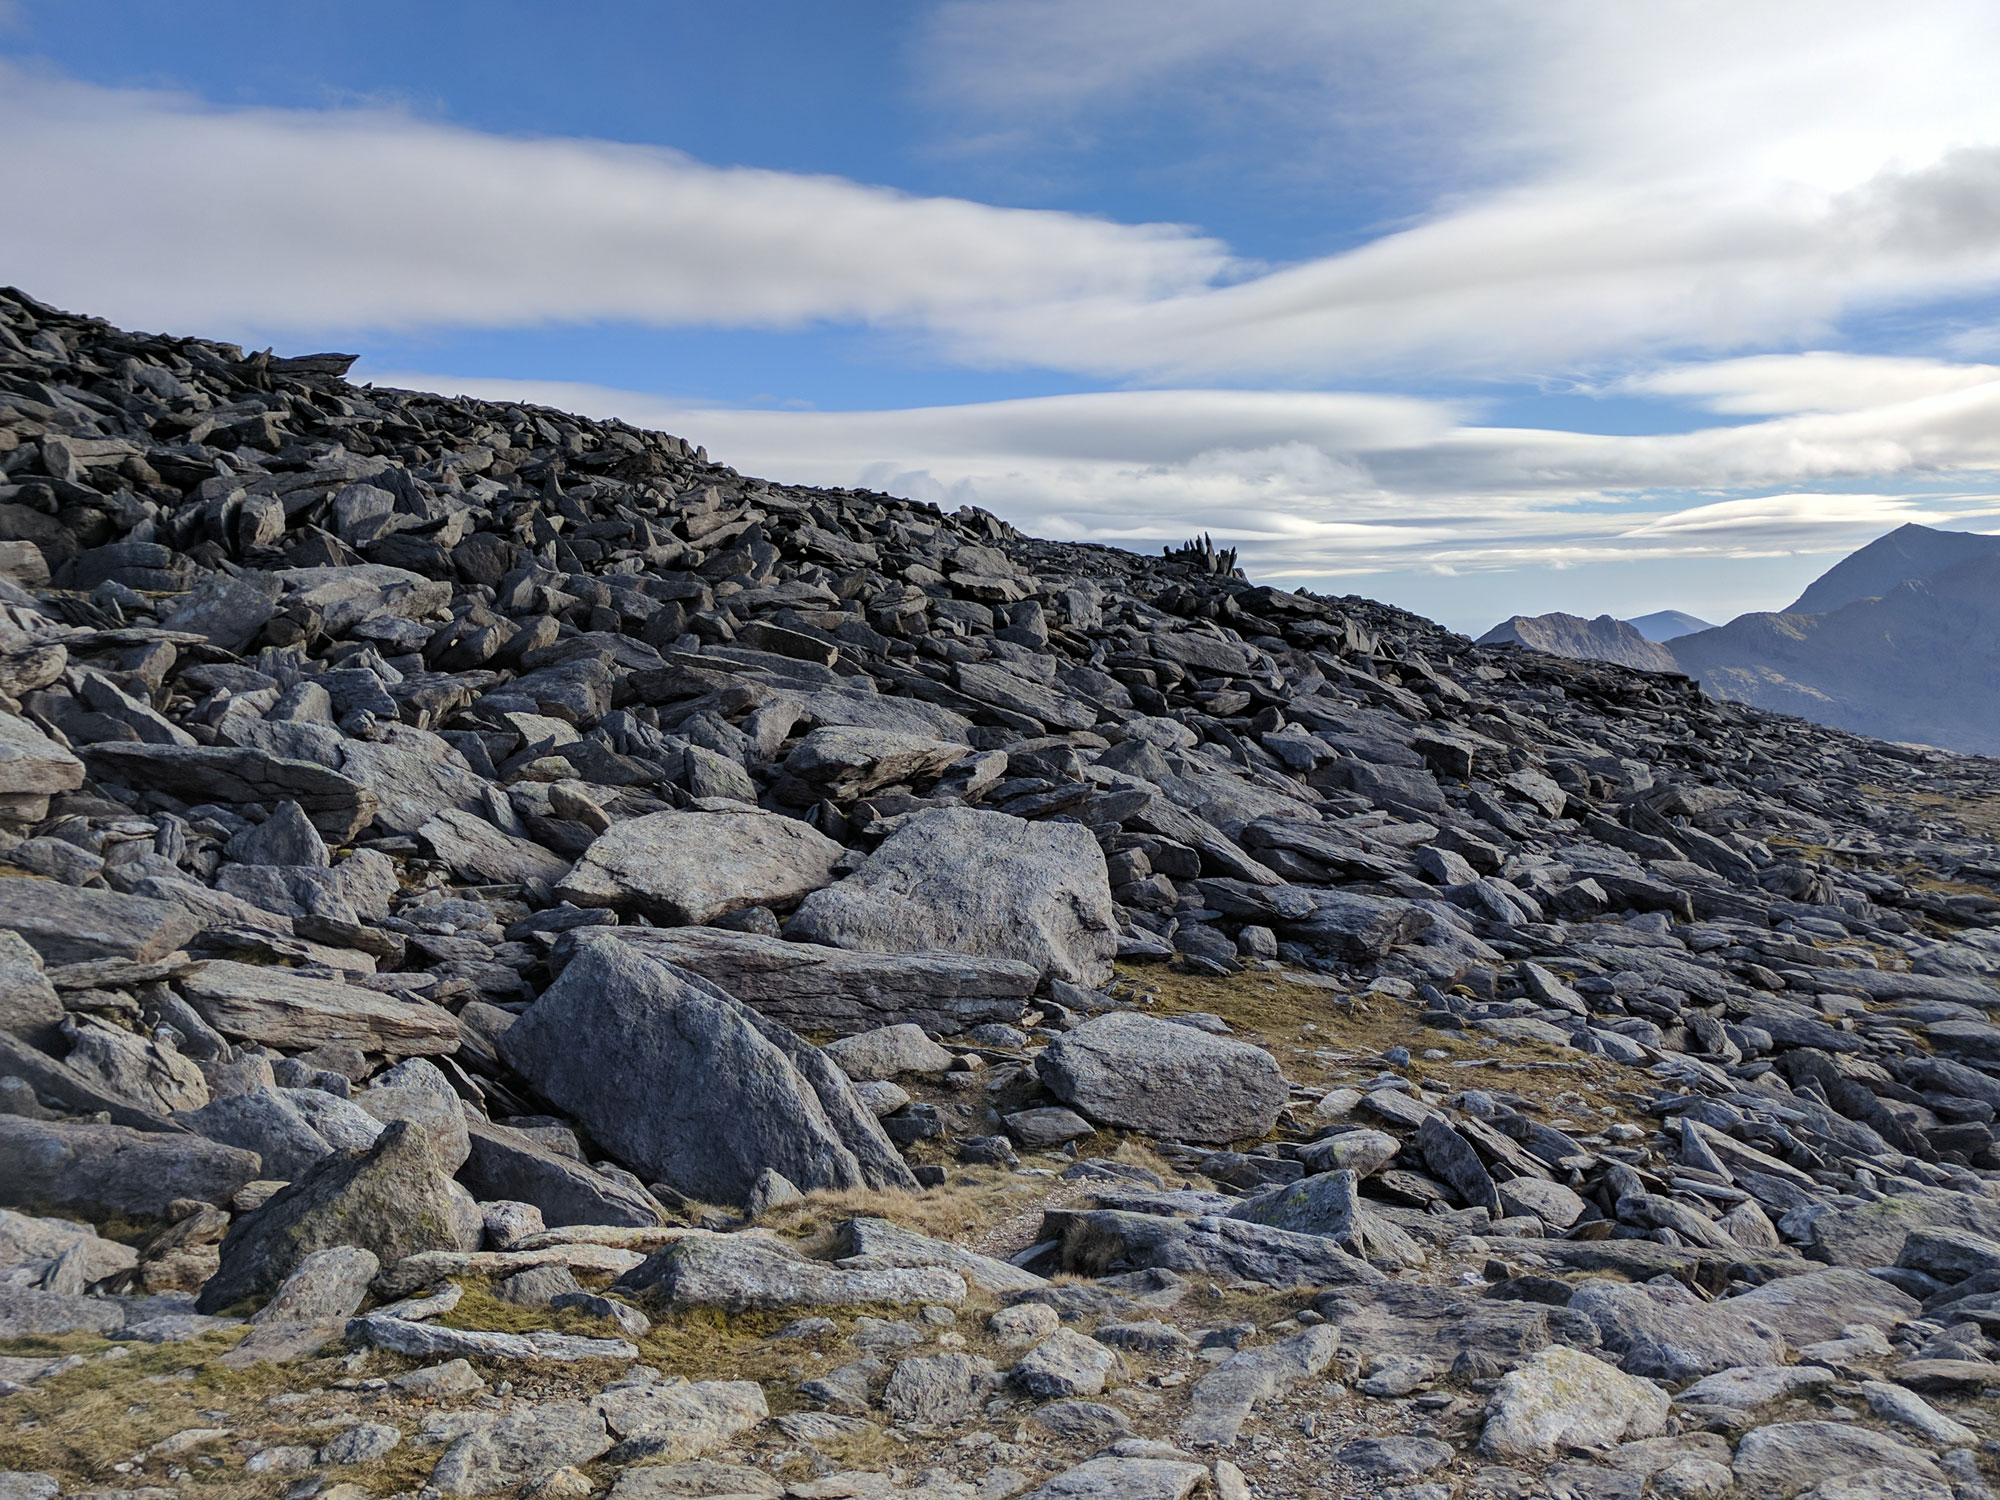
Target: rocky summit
{"points": [[534, 964]]}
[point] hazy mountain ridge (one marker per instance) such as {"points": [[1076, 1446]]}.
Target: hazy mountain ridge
{"points": [[1601, 639], [1899, 640]]}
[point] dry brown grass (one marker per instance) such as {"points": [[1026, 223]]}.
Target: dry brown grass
{"points": [[1322, 1038]]}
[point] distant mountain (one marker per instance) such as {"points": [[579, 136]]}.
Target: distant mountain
{"points": [[1667, 624], [1920, 662], [1905, 553], [1601, 639]]}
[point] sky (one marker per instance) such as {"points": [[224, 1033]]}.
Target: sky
{"points": [[1481, 307]]}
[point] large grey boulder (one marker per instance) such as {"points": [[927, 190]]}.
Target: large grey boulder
{"points": [[1173, 1082], [1872, 1234], [1096, 1241], [831, 990], [345, 597], [669, 1419], [339, 805], [146, 1071], [28, 1004], [265, 1121], [1659, 1328], [40, 1246], [474, 849], [844, 763], [393, 1200], [66, 924], [687, 1085], [697, 865], [506, 1165], [1788, 1458], [889, 1052], [1330, 1204], [33, 768], [981, 883], [416, 1091], [1562, 1399], [412, 775], [58, 1083], [279, 1008], [105, 1170], [26, 1312]]}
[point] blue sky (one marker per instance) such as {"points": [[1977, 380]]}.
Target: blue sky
{"points": [[1476, 307]]}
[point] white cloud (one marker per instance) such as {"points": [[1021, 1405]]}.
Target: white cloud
{"points": [[371, 218], [1823, 381], [1791, 517], [1631, 182]]}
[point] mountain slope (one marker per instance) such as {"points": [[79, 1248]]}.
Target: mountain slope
{"points": [[1920, 663], [1668, 624], [1907, 552], [1601, 639]]}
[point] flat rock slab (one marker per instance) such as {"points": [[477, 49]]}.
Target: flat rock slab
{"points": [[430, 1341], [1123, 1479], [1778, 1462], [1223, 1399], [1095, 1240], [1563, 1399], [741, 1274], [338, 805], [277, 1008], [475, 850], [836, 991], [66, 924], [1872, 1234], [691, 867], [106, 1170], [1173, 1082], [980, 883]]}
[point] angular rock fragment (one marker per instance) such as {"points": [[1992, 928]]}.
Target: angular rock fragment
{"points": [[1169, 1081], [978, 883], [678, 1080]]}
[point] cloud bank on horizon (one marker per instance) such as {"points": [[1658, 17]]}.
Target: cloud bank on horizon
{"points": [[1766, 236]]}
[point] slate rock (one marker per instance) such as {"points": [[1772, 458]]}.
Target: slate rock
{"points": [[889, 1052], [830, 990], [1222, 1400], [29, 1006], [67, 925], [278, 1008], [981, 883], [692, 867], [392, 1200], [1169, 1081], [1063, 1366], [938, 1389], [1789, 1458], [107, 1170], [1563, 1399], [684, 1084], [1095, 1240], [740, 1274], [1123, 1479], [503, 1163]]}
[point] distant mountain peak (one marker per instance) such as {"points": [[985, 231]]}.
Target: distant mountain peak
{"points": [[1601, 639], [1910, 551], [1668, 624]]}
